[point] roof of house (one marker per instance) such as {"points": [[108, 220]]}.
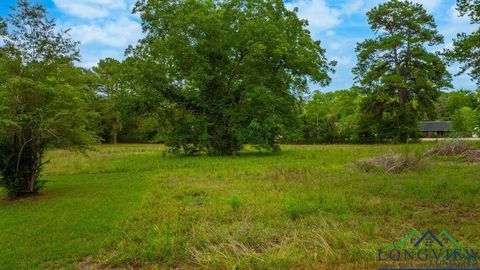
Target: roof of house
{"points": [[432, 126]]}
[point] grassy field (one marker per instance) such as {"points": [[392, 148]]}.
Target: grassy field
{"points": [[135, 206]]}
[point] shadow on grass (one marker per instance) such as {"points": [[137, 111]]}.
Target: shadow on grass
{"points": [[4, 199], [242, 154]]}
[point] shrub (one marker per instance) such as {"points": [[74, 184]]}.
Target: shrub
{"points": [[20, 166]]}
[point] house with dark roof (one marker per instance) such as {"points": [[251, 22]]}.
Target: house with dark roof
{"points": [[435, 129]]}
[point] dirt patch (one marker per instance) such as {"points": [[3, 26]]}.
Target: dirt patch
{"points": [[88, 264]]}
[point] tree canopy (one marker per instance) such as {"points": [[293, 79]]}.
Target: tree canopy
{"points": [[229, 72], [42, 96], [109, 89], [449, 102], [400, 76], [465, 122], [467, 46]]}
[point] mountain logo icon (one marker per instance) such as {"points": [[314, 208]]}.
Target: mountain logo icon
{"points": [[428, 239]]}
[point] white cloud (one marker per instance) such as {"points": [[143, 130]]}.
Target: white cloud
{"points": [[110, 38], [92, 57], [352, 7], [429, 5], [105, 28], [334, 45], [319, 15], [454, 23], [330, 33], [118, 33], [90, 8], [455, 16], [343, 60]]}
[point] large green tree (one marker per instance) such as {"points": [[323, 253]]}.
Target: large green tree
{"points": [[465, 122], [399, 74], [450, 102], [331, 117], [42, 96], [111, 93], [467, 46], [228, 72], [127, 114]]}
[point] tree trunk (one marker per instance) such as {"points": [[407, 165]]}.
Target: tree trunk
{"points": [[114, 131], [31, 184], [401, 91], [115, 141]]}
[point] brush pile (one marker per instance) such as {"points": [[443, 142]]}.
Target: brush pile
{"points": [[455, 148], [392, 163], [459, 149], [471, 155]]}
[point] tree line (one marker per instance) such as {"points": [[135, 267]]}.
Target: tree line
{"points": [[212, 76], [337, 117]]}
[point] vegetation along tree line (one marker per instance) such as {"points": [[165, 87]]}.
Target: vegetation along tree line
{"points": [[212, 76]]}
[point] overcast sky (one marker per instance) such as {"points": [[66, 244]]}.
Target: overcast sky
{"points": [[106, 27]]}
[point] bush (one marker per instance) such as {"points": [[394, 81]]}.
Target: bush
{"points": [[20, 165]]}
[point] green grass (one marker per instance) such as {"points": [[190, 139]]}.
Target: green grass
{"points": [[135, 206]]}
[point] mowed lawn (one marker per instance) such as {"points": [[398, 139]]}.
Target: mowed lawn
{"points": [[136, 206]]}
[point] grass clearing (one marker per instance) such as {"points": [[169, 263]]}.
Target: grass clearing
{"points": [[73, 217], [135, 206]]}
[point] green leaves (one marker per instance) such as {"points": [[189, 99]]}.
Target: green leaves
{"points": [[397, 71], [466, 47], [470, 8], [331, 117], [34, 37], [227, 64], [42, 97], [466, 51], [3, 27], [465, 121]]}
